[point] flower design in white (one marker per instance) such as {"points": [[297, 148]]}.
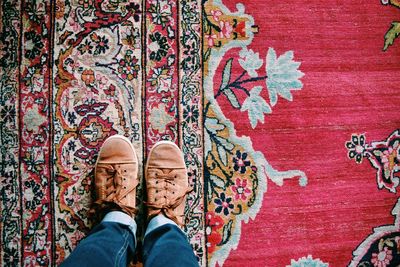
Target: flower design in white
{"points": [[255, 106], [250, 61], [283, 75], [307, 262]]}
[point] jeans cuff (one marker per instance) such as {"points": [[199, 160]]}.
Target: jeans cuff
{"points": [[122, 218], [158, 221]]}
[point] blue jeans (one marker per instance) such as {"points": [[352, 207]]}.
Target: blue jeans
{"points": [[113, 243]]}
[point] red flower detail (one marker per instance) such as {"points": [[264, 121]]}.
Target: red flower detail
{"points": [[213, 236], [110, 91], [240, 189], [240, 28]]}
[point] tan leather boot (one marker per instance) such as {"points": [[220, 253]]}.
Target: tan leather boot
{"points": [[166, 182], [116, 176]]}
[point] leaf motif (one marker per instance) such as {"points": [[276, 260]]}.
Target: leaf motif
{"points": [[225, 143], [209, 190], [222, 155], [255, 106], [283, 76], [389, 243], [232, 98], [377, 153], [226, 74], [207, 54], [217, 181], [250, 61], [381, 244], [207, 142], [391, 34], [226, 233], [213, 125]]}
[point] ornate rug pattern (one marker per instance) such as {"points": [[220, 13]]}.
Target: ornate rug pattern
{"points": [[287, 114]]}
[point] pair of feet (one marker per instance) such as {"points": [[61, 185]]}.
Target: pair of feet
{"points": [[116, 179]]}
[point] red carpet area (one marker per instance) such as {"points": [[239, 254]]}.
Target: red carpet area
{"points": [[288, 114]]}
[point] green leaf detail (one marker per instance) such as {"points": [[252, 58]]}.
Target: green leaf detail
{"points": [[226, 233], [207, 54], [391, 34], [217, 181], [213, 126], [209, 190], [389, 243], [226, 74], [224, 88], [232, 98], [222, 155], [377, 153]]}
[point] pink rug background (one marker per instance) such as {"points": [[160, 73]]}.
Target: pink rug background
{"points": [[349, 87]]}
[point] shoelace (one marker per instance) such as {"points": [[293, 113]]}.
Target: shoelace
{"points": [[167, 209], [113, 188]]}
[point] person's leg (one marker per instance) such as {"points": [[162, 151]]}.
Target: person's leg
{"points": [[110, 243], [165, 244]]}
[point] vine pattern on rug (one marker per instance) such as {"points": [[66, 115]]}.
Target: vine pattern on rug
{"points": [[384, 156], [34, 113], [11, 221], [191, 120], [235, 175], [161, 71]]}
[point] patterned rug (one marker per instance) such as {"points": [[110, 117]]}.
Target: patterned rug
{"points": [[287, 113]]}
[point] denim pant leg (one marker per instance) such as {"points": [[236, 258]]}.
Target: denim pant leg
{"points": [[110, 243], [165, 244]]}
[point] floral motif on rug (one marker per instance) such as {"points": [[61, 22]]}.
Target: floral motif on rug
{"points": [[382, 247], [384, 156], [307, 262], [235, 174]]}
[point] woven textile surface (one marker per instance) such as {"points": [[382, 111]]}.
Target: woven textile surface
{"points": [[288, 114]]}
